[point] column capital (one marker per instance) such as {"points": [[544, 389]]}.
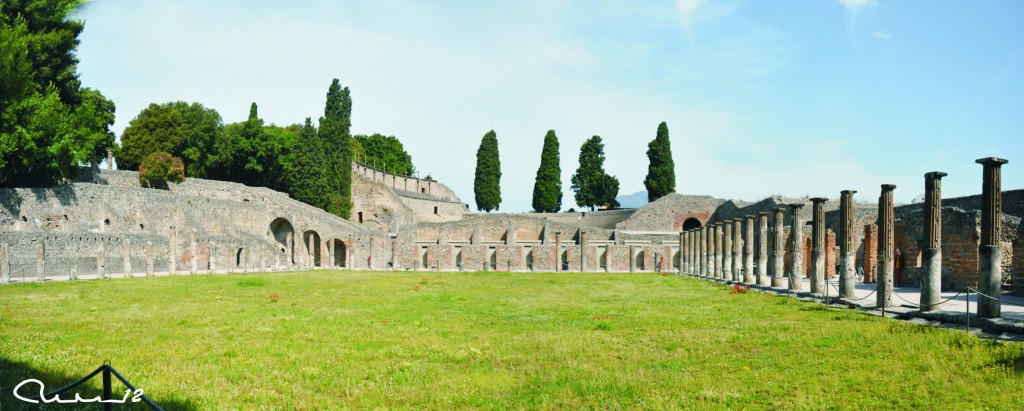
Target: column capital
{"points": [[762, 213], [935, 175], [848, 192], [888, 187], [992, 161], [796, 206], [818, 200]]}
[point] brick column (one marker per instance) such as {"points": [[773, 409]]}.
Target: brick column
{"points": [[737, 249], [818, 245], [762, 249], [990, 252], [583, 252], [931, 282], [886, 247], [777, 260], [702, 253], [194, 247], [847, 252], [748, 250], [870, 254], [796, 248], [727, 250], [717, 272], [558, 253]]}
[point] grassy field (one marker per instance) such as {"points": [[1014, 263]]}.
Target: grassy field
{"points": [[328, 340]]}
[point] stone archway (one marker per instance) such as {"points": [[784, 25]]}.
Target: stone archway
{"points": [[312, 241], [338, 248], [691, 223], [284, 235]]}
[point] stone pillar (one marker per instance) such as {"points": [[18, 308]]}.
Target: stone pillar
{"points": [[990, 252], [776, 257], [558, 253], [41, 260], [213, 257], [737, 249], [702, 252], [931, 281], [818, 245], [695, 251], [847, 251], [127, 247], [761, 272], [684, 253], [172, 264], [796, 248], [748, 252], [886, 248], [394, 254], [583, 252], [110, 160], [149, 258], [727, 250], [717, 273], [5, 263], [348, 254], [194, 247], [100, 267]]}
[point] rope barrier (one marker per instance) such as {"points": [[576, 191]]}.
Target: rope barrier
{"points": [[994, 298]]}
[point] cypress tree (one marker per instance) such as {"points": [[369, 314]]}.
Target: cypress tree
{"points": [[592, 186], [661, 173], [487, 182], [335, 126], [547, 188], [307, 176]]}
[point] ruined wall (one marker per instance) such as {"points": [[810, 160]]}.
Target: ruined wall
{"points": [[670, 212]]}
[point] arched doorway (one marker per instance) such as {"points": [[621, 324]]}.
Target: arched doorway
{"points": [[691, 223], [339, 252], [284, 235], [312, 241], [565, 260]]}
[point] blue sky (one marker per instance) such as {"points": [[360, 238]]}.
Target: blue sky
{"points": [[790, 97]]}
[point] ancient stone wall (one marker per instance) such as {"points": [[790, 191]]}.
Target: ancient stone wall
{"points": [[671, 213]]}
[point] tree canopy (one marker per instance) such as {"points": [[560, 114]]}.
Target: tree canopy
{"points": [[385, 152], [661, 173], [487, 181], [592, 186], [182, 129], [547, 188], [49, 125]]}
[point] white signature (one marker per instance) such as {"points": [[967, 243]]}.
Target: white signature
{"points": [[135, 396]]}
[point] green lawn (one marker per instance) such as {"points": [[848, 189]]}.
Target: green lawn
{"points": [[488, 340]]}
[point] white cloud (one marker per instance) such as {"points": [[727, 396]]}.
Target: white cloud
{"points": [[854, 5], [881, 35]]}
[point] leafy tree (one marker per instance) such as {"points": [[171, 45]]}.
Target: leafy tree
{"points": [[184, 130], [592, 186], [385, 151], [49, 126], [160, 168], [307, 174], [487, 184], [661, 173], [259, 153], [547, 188], [335, 127]]}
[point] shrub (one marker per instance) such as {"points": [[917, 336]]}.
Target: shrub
{"points": [[160, 168]]}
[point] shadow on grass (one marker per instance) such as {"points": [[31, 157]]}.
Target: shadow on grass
{"points": [[13, 373]]}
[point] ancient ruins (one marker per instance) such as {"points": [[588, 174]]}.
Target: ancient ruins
{"points": [[107, 225]]}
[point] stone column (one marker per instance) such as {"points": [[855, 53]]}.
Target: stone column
{"points": [[100, 268], [558, 253], [886, 248], [990, 252], [348, 254], [748, 252], [761, 272], [632, 258], [727, 250], [194, 247], [41, 260], [777, 262], [583, 252], [818, 245], [684, 255], [127, 245], [213, 257], [394, 254], [172, 264], [931, 281], [702, 253], [737, 249], [847, 250], [717, 273], [695, 251], [149, 258], [796, 248], [5, 263]]}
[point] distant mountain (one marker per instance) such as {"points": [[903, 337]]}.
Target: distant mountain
{"points": [[635, 200]]}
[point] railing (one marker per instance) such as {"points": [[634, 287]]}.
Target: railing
{"points": [[107, 398]]}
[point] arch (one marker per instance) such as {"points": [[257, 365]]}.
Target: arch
{"points": [[284, 235], [312, 242], [423, 258], [691, 223], [339, 252], [565, 260]]}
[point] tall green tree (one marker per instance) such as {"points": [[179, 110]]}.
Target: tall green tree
{"points": [[49, 125], [487, 183], [592, 186], [184, 130], [661, 173], [307, 174], [260, 153], [384, 151], [335, 128], [547, 188]]}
